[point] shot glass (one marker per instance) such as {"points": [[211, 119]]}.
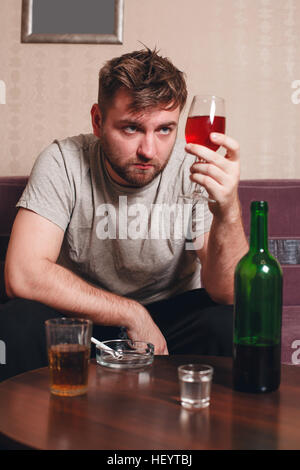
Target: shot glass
{"points": [[195, 385], [69, 348]]}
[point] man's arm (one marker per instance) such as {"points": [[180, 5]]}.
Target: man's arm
{"points": [[223, 247], [31, 272], [226, 242]]}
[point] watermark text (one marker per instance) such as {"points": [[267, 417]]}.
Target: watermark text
{"points": [[295, 97], [2, 92], [152, 459], [2, 352], [159, 221], [296, 354]]}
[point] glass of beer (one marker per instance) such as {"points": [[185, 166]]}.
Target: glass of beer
{"points": [[69, 348]]}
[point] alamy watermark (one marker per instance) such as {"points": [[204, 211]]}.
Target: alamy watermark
{"points": [[295, 359], [295, 97], [2, 352], [158, 221], [2, 92]]}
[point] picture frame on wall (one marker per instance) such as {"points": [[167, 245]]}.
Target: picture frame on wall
{"points": [[72, 21]]}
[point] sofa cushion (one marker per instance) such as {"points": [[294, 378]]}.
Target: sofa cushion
{"points": [[291, 284], [11, 189], [283, 198]]}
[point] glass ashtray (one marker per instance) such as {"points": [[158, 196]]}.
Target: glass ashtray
{"points": [[132, 354]]}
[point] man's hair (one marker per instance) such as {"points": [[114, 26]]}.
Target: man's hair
{"points": [[150, 79]]}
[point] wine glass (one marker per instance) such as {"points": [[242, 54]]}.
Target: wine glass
{"points": [[206, 115]]}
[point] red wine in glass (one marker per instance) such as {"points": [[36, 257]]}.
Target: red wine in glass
{"points": [[198, 129], [206, 115]]}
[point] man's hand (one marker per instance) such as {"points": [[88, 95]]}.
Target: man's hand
{"points": [[218, 175], [143, 328]]}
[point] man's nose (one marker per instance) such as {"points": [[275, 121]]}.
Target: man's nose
{"points": [[147, 146]]}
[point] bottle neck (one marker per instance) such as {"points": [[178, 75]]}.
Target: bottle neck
{"points": [[259, 226]]}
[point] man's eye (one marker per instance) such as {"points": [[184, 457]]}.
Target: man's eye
{"points": [[130, 129], [165, 130]]}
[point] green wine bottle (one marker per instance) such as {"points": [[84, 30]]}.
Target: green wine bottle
{"points": [[257, 311]]}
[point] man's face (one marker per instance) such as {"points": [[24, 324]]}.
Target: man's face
{"points": [[137, 146]]}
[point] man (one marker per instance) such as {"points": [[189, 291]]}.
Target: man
{"points": [[73, 251]]}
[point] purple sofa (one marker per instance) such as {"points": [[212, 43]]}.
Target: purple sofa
{"points": [[283, 197]]}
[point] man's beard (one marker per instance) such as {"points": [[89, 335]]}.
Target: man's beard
{"points": [[133, 175]]}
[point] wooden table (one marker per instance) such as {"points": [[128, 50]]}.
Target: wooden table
{"points": [[141, 410]]}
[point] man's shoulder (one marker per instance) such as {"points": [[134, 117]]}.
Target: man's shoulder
{"points": [[71, 155], [76, 143], [76, 152]]}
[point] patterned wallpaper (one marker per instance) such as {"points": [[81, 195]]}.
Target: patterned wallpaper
{"points": [[245, 50]]}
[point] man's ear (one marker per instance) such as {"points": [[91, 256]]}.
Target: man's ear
{"points": [[96, 120]]}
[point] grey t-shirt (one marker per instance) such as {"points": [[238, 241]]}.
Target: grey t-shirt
{"points": [[133, 242]]}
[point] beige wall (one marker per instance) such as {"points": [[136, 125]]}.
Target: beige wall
{"points": [[245, 50]]}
